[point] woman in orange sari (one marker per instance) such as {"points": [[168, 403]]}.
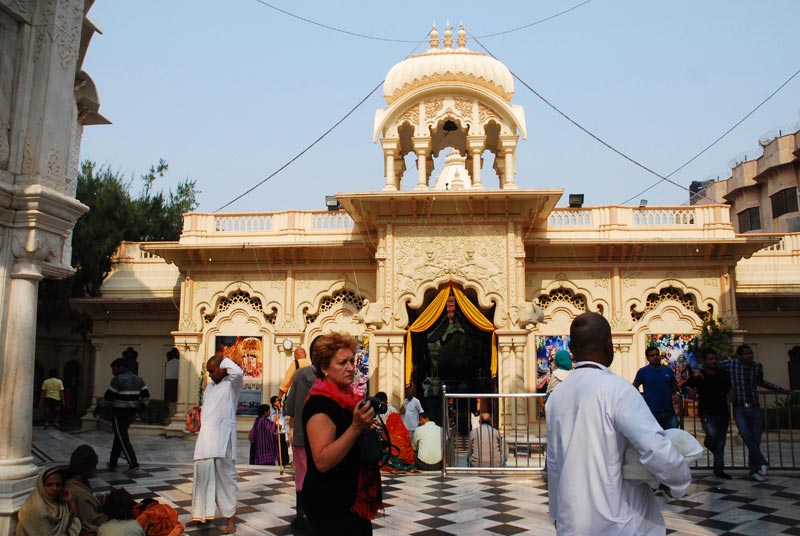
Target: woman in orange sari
{"points": [[402, 456]]}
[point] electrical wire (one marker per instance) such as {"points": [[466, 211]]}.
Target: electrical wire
{"points": [[304, 151], [713, 143], [390, 40], [582, 128]]}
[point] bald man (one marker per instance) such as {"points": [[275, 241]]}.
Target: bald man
{"points": [[300, 360], [591, 419], [215, 477]]}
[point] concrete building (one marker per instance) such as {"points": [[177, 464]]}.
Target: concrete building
{"points": [[461, 276], [45, 101]]}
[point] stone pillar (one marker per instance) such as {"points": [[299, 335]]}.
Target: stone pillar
{"points": [[390, 147], [508, 146], [188, 381], [476, 146], [422, 147], [99, 383], [17, 470]]}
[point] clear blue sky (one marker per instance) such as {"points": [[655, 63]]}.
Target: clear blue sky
{"points": [[227, 92]]}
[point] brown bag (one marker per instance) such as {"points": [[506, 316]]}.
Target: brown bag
{"points": [[193, 420]]}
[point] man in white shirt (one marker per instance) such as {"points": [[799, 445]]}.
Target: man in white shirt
{"points": [[412, 408], [215, 478], [427, 443], [591, 419]]}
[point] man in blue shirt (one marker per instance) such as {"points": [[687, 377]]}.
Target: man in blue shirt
{"points": [[658, 383]]}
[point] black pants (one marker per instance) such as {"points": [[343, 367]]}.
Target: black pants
{"points": [[120, 422]]}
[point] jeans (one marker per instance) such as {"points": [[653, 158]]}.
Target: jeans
{"points": [[750, 423], [666, 419], [716, 429]]}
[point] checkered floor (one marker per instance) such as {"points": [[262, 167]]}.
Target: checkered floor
{"points": [[426, 504]]}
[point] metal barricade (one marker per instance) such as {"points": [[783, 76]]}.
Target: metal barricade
{"points": [[519, 419]]}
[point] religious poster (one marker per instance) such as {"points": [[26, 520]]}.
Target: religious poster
{"points": [[247, 353], [362, 365], [546, 348], [674, 349]]}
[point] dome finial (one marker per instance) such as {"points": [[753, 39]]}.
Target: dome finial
{"points": [[448, 36], [434, 37], [462, 36]]}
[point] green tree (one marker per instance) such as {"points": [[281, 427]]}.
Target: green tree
{"points": [[114, 215], [714, 335]]}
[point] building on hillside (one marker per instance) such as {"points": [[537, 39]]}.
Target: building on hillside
{"points": [[45, 101], [463, 277]]}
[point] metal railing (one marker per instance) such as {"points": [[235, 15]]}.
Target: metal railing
{"points": [[521, 422]]}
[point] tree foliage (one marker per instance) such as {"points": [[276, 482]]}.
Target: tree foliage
{"points": [[115, 214], [714, 335]]}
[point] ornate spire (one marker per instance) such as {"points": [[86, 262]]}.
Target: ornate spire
{"points": [[462, 36], [448, 36], [434, 37]]}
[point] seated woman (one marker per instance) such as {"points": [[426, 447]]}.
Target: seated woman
{"points": [[88, 505], [340, 494], [50, 510], [401, 458], [264, 439], [119, 509]]}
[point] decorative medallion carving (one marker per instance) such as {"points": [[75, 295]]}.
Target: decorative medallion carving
{"points": [[485, 114], [463, 107], [425, 254], [600, 279], [54, 169], [433, 107], [411, 116]]}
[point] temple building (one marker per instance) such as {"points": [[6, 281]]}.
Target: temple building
{"points": [[465, 276]]}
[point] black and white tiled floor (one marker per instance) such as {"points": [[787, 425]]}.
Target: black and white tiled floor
{"points": [[426, 504]]}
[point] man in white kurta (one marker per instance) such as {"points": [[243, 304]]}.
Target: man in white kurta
{"points": [[592, 417], [215, 478]]}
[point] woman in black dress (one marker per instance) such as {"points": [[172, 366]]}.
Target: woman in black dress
{"points": [[341, 494]]}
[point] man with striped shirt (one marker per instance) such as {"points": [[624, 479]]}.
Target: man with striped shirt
{"points": [[127, 395], [746, 375]]}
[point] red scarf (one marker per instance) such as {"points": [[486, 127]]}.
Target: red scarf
{"points": [[368, 491]]}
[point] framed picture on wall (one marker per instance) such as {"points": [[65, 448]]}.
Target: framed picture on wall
{"points": [[247, 352], [546, 348]]}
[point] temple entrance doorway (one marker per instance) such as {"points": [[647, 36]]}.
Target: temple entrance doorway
{"points": [[451, 348]]}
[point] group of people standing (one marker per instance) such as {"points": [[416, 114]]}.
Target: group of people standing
{"points": [[716, 385]]}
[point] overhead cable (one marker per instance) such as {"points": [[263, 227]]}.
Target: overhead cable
{"points": [[713, 143], [581, 127], [390, 40]]}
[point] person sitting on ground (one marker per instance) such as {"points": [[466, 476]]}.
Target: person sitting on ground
{"points": [[119, 509], [50, 510], [485, 445], [264, 439], [427, 443], [401, 458], [88, 505], [158, 519]]}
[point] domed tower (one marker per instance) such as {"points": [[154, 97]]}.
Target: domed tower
{"points": [[449, 97]]}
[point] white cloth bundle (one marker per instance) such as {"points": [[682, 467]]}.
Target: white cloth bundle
{"points": [[687, 445]]}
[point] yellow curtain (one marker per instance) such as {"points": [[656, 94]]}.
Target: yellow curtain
{"points": [[425, 321], [474, 315]]}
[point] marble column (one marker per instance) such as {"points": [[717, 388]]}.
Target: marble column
{"points": [[17, 469], [390, 147]]}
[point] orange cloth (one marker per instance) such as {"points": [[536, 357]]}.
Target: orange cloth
{"points": [[160, 520], [401, 440]]}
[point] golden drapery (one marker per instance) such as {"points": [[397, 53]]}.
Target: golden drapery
{"points": [[432, 313]]}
